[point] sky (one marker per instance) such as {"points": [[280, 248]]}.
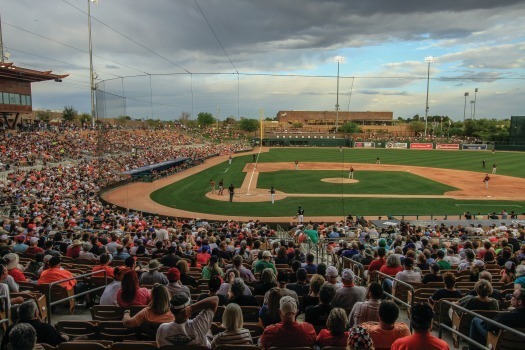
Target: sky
{"points": [[161, 58]]}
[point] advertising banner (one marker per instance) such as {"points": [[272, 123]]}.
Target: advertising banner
{"points": [[450, 146], [364, 144], [474, 147], [421, 146], [396, 145]]}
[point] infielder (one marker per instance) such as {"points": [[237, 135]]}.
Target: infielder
{"points": [[272, 194], [486, 180], [351, 173]]}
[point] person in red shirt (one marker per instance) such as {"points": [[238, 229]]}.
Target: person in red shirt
{"points": [[33, 246], [104, 266], [376, 264], [288, 332], [13, 267], [392, 265], [202, 257], [335, 334], [130, 292], [74, 250], [56, 273], [422, 317]]}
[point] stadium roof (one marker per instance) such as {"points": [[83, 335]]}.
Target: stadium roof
{"points": [[155, 166], [9, 70]]}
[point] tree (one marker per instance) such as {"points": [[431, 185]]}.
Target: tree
{"points": [[44, 116], [84, 118], [69, 114], [122, 119], [249, 124], [417, 126], [297, 125], [230, 121], [205, 119], [349, 128]]}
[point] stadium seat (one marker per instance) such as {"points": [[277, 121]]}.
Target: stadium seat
{"points": [[115, 331], [57, 293], [237, 347], [132, 345], [462, 323], [505, 340], [82, 346], [250, 313], [74, 329]]}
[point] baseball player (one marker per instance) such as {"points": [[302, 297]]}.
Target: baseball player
{"points": [[296, 165], [494, 167], [230, 160], [221, 187], [486, 180], [212, 184], [272, 194], [300, 215], [351, 173]]}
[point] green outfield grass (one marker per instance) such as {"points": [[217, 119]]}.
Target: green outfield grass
{"points": [[189, 194], [370, 182]]}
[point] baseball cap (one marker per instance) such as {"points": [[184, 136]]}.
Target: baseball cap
{"points": [[348, 275], [173, 274], [509, 265], [331, 271], [179, 301], [266, 254], [287, 305]]}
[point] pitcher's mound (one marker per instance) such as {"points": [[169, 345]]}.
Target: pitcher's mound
{"points": [[338, 180]]}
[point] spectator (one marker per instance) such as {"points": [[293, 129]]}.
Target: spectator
{"points": [[120, 254], [477, 267], [171, 259], [422, 262], [422, 318], [433, 276], [288, 332], [408, 275], [33, 246], [22, 337], [318, 315], [312, 298], [508, 274], [237, 295], [105, 260], [364, 311], [235, 334], [45, 333], [184, 331], [269, 313], [85, 252], [301, 287], [202, 257], [482, 301], [392, 265], [244, 273], [130, 293], [359, 339], [13, 267], [514, 319], [73, 251], [519, 282], [350, 294], [152, 275], [266, 283], [157, 311], [331, 277], [35, 265], [265, 263], [385, 332], [185, 277], [295, 265], [282, 280], [309, 266], [20, 247], [487, 276], [57, 273], [281, 258], [175, 286], [335, 333], [375, 265], [109, 296], [212, 269], [449, 292], [443, 264], [213, 286]]}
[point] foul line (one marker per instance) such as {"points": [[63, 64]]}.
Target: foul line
{"points": [[253, 171], [487, 205]]}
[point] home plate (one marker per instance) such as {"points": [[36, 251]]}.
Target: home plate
{"points": [[489, 196]]}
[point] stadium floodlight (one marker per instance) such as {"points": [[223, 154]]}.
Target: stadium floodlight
{"points": [[428, 60], [465, 109], [338, 59], [91, 73], [475, 100]]}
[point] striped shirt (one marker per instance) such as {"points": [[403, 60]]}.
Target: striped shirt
{"points": [[241, 336]]}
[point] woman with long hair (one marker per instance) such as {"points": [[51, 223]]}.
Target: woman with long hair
{"points": [[269, 313], [157, 311], [508, 273], [185, 277], [234, 334], [267, 282], [130, 292], [212, 269]]}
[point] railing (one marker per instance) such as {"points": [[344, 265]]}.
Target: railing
{"points": [[465, 337], [409, 286], [357, 268], [50, 304]]}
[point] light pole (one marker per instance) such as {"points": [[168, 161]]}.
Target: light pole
{"points": [[428, 60], [465, 109], [475, 95], [471, 104], [91, 73], [338, 59]]}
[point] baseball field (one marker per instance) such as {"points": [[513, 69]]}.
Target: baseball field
{"points": [[406, 182]]}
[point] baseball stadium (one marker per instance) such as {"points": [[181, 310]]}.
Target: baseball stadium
{"points": [[160, 222]]}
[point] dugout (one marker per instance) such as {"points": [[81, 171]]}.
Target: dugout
{"points": [[299, 140], [147, 171]]}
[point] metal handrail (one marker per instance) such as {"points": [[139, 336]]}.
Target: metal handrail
{"points": [[355, 265], [467, 311], [48, 299], [411, 287]]}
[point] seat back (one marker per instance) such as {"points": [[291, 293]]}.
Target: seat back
{"points": [[250, 313], [75, 329], [82, 346], [115, 331], [107, 313], [135, 345], [148, 331], [505, 341], [58, 292], [443, 311], [462, 323]]}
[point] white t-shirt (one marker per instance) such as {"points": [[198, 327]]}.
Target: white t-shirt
{"points": [[191, 332], [109, 297]]}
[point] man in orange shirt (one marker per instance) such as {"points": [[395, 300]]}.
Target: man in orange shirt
{"points": [[422, 317], [387, 330], [56, 273], [104, 265]]}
